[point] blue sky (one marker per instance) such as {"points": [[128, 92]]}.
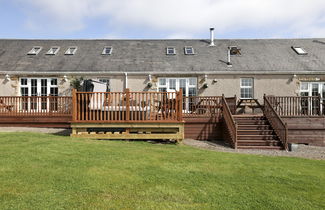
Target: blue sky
{"points": [[161, 19]]}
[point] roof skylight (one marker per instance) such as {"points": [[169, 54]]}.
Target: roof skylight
{"points": [[53, 51], [71, 51], [107, 51], [170, 51], [299, 50], [188, 50], [35, 50]]}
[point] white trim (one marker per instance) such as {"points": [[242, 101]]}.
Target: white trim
{"points": [[104, 50], [189, 47], [174, 51], [68, 52], [51, 52], [33, 51], [49, 85], [299, 50]]}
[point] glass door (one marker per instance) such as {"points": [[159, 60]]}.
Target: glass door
{"points": [[187, 85], [37, 91], [315, 91], [314, 106]]}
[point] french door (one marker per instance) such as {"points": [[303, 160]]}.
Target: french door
{"points": [[38, 89], [187, 85], [313, 89]]}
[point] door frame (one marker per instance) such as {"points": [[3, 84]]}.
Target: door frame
{"points": [[30, 103]]}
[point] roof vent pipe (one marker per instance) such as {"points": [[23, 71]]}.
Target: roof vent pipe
{"points": [[229, 64], [212, 37]]}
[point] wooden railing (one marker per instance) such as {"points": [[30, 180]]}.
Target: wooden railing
{"points": [[127, 106], [298, 105], [280, 128], [35, 105], [201, 106], [231, 125]]}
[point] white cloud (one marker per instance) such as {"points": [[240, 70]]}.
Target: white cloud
{"points": [[182, 17]]}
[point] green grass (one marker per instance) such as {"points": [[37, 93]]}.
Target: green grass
{"points": [[41, 171]]}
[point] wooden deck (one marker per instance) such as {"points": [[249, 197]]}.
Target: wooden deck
{"points": [[35, 111], [128, 115], [161, 115]]}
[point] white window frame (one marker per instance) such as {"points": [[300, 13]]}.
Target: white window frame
{"points": [[104, 50], [244, 86], [68, 52], [299, 50], [52, 52], [188, 85], [38, 84], [189, 47], [33, 51], [309, 91], [167, 51], [30, 102]]}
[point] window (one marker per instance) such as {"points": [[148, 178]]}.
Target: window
{"points": [[53, 51], [246, 88], [234, 50], [170, 51], [107, 82], [38, 86], [54, 89], [34, 50], [162, 85], [23, 87], [107, 51], [299, 50], [188, 50], [71, 51], [188, 85]]}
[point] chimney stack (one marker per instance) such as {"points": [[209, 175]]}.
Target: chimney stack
{"points": [[212, 37]]}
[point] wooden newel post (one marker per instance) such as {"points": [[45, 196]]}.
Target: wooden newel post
{"points": [[74, 104], [127, 101], [319, 105], [180, 105]]}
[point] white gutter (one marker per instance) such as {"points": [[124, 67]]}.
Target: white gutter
{"points": [[229, 72]]}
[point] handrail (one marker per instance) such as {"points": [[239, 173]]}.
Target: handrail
{"points": [[280, 127], [296, 106], [35, 106], [230, 123]]}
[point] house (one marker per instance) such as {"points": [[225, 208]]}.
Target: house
{"points": [[208, 67]]}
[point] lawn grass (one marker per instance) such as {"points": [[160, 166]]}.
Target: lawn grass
{"points": [[42, 171]]}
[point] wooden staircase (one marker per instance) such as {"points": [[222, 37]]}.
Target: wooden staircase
{"points": [[255, 132]]}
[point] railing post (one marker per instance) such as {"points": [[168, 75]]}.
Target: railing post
{"points": [[236, 132], [180, 105], [235, 104], [319, 106], [127, 100], [74, 104]]}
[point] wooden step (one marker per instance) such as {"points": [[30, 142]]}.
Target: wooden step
{"points": [[255, 132], [252, 122], [256, 137], [260, 147], [254, 127], [258, 143]]}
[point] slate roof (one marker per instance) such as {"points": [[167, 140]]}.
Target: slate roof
{"points": [[258, 56]]}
